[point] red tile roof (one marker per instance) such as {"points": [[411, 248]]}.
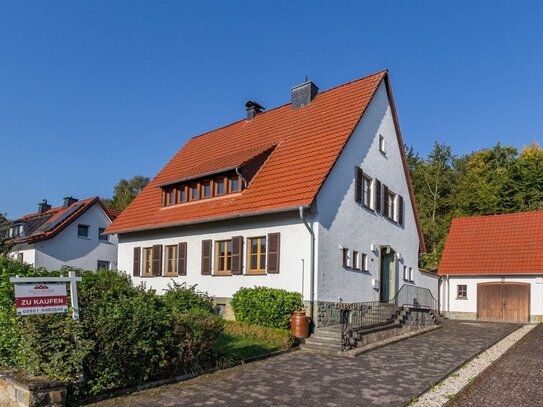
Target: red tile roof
{"points": [[56, 219], [497, 244], [307, 141]]}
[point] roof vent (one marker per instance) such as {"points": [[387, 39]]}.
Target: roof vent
{"points": [[68, 200], [43, 206], [253, 109], [302, 95]]}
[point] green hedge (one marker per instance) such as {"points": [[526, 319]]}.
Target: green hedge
{"points": [[265, 306], [126, 335]]}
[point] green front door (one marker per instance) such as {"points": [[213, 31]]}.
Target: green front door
{"points": [[388, 274]]}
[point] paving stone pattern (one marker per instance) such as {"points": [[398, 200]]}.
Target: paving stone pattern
{"points": [[388, 376], [514, 380]]}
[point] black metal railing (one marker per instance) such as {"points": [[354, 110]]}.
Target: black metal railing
{"points": [[416, 297], [362, 316]]}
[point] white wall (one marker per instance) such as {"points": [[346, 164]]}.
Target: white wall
{"points": [[68, 249], [470, 304], [28, 252], [343, 222], [294, 254]]}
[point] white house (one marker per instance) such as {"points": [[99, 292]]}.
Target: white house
{"points": [[492, 268], [313, 196], [68, 235]]}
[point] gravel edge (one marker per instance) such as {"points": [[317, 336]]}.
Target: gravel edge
{"points": [[443, 392]]}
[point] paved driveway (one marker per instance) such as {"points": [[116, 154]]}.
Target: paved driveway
{"points": [[388, 376], [514, 380]]}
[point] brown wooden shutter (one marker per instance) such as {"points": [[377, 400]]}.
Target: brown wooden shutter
{"points": [[157, 260], [377, 196], [400, 210], [182, 259], [206, 257], [274, 246], [358, 175], [237, 255], [385, 201], [136, 271]]}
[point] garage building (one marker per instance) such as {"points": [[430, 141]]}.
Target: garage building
{"points": [[492, 268]]}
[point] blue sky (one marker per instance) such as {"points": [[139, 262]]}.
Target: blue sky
{"points": [[91, 92]]}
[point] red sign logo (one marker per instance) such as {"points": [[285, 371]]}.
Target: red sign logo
{"points": [[41, 287]]}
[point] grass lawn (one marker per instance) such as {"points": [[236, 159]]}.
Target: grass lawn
{"points": [[241, 341], [234, 347]]}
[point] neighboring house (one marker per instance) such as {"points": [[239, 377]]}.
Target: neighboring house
{"points": [[492, 268], [69, 235], [313, 196]]}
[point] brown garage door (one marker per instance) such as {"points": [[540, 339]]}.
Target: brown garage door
{"points": [[503, 302]]}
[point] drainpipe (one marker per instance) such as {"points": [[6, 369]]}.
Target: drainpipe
{"points": [[448, 296], [242, 179], [311, 264]]}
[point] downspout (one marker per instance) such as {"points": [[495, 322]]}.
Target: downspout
{"points": [[448, 296], [311, 264], [242, 179]]}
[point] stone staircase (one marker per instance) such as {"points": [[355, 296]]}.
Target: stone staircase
{"points": [[328, 339]]}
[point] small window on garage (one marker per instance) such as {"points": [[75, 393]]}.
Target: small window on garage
{"points": [[461, 291]]}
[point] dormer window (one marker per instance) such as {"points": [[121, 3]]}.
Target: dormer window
{"points": [[194, 192], [171, 196], [183, 194], [219, 186], [233, 184], [16, 231], [206, 189]]}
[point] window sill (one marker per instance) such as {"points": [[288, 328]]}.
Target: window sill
{"points": [[461, 298], [255, 273], [84, 237], [221, 275]]}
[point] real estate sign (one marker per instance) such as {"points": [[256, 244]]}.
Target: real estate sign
{"points": [[40, 298]]}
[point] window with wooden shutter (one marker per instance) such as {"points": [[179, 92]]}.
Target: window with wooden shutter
{"points": [[274, 246], [136, 271], [147, 262], [157, 260], [206, 257], [377, 205], [182, 259], [359, 175], [256, 255], [385, 201], [237, 255], [170, 263], [223, 257], [400, 210]]}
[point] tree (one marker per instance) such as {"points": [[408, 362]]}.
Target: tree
{"points": [[125, 191], [5, 245], [527, 177], [432, 181]]}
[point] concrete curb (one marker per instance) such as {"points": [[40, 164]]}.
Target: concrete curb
{"points": [[358, 351]]}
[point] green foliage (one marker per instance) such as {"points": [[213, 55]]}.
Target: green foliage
{"points": [[5, 243], [266, 306], [184, 298], [488, 181], [126, 335], [280, 337], [125, 191]]}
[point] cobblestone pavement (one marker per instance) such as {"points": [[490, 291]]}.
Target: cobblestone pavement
{"points": [[388, 376], [514, 380]]}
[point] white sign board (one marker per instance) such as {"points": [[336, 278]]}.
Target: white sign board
{"points": [[40, 298]]}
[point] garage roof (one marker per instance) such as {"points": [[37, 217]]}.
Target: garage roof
{"points": [[496, 244]]}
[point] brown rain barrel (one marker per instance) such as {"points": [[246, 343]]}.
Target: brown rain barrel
{"points": [[299, 324]]}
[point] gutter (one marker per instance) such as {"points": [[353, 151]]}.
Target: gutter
{"points": [[311, 264]]}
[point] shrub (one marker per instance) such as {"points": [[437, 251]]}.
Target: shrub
{"points": [[184, 298], [126, 335], [266, 306]]}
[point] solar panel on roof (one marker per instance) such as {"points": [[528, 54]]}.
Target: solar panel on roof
{"points": [[50, 225]]}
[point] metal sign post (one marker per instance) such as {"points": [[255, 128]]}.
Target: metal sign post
{"points": [[39, 301]]}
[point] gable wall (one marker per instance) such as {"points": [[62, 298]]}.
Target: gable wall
{"points": [[67, 248], [345, 223]]}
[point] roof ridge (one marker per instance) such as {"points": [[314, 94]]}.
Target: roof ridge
{"points": [[381, 72], [497, 215]]}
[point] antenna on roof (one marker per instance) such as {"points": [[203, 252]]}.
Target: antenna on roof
{"points": [[306, 78]]}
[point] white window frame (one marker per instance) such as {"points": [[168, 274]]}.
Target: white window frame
{"points": [[382, 144], [411, 275]]}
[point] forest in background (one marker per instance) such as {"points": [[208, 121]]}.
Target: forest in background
{"points": [[489, 181]]}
